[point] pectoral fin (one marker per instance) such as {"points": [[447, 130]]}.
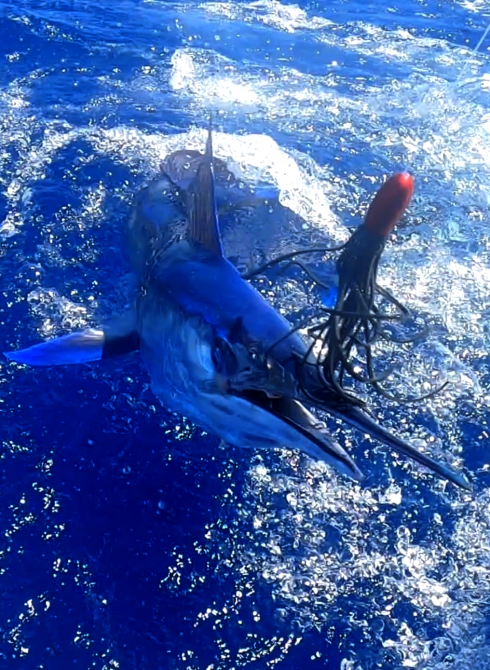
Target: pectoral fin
{"points": [[85, 346], [82, 347]]}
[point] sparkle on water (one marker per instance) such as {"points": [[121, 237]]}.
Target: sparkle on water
{"points": [[400, 567]]}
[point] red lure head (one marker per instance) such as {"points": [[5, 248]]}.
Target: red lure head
{"points": [[389, 204]]}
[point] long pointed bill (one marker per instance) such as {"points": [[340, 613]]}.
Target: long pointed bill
{"points": [[358, 419]]}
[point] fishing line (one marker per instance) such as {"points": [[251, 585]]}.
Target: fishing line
{"points": [[346, 335], [473, 53]]}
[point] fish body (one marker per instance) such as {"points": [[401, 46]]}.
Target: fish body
{"points": [[191, 300], [216, 351]]}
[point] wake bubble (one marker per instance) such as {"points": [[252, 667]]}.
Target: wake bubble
{"points": [[382, 574], [287, 18]]}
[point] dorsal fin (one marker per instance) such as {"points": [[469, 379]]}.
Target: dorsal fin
{"points": [[202, 210]]}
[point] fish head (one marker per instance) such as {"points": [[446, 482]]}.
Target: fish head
{"points": [[206, 337]]}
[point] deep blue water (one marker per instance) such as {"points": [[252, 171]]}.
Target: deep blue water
{"points": [[130, 539]]}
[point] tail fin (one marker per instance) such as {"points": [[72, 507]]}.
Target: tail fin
{"points": [[202, 210]]}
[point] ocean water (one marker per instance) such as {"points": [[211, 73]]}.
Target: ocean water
{"points": [[129, 538]]}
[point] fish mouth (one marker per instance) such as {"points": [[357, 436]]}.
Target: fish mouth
{"points": [[314, 439], [312, 436]]}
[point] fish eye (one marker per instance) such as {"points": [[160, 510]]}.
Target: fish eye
{"points": [[224, 359]]}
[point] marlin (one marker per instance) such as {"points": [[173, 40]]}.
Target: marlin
{"points": [[215, 349]]}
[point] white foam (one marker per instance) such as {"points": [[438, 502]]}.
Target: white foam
{"points": [[312, 540], [286, 18]]}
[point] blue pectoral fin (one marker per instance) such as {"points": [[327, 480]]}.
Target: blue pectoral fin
{"points": [[81, 347], [85, 346], [326, 286], [328, 296]]}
